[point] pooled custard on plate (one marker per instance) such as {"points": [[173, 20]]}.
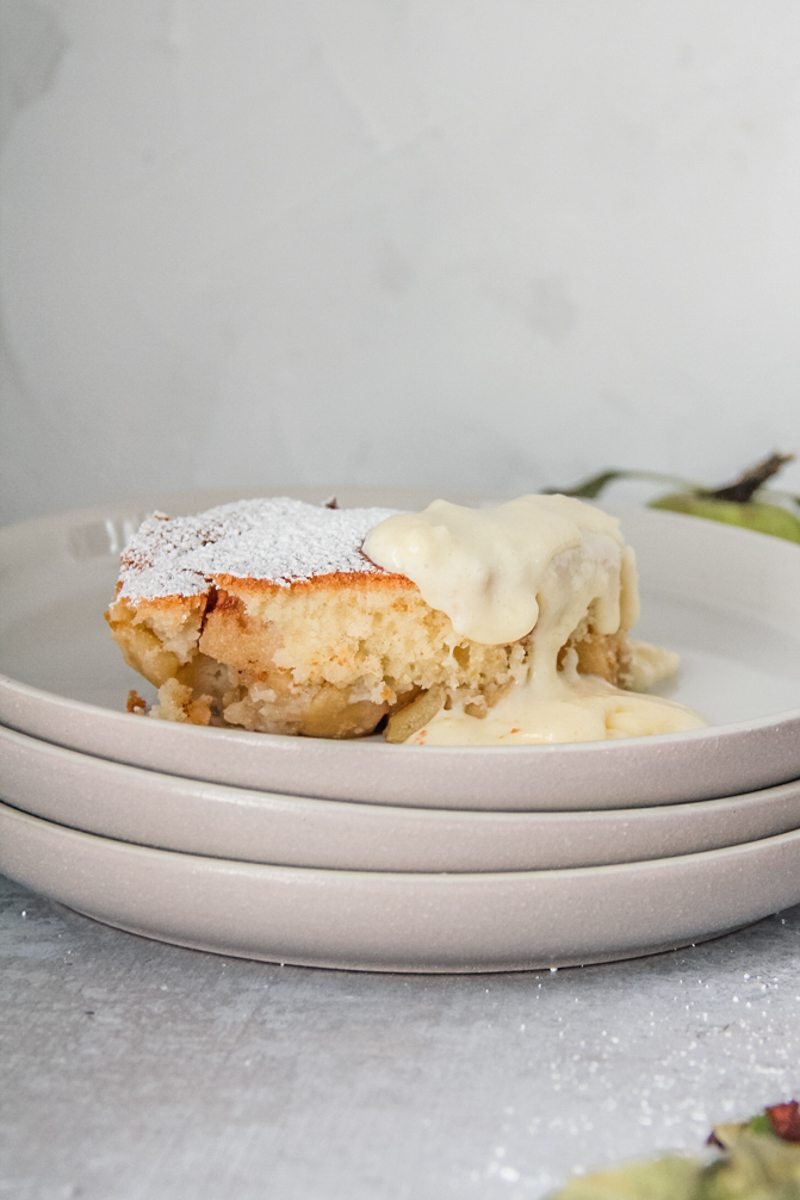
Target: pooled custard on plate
{"points": [[503, 625], [544, 566]]}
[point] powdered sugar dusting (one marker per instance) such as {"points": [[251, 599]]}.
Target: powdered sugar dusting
{"points": [[281, 540]]}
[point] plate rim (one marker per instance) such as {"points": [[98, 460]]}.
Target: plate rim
{"points": [[440, 879], [57, 749], [403, 922], [150, 808]]}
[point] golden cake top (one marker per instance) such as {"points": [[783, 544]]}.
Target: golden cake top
{"points": [[278, 540]]}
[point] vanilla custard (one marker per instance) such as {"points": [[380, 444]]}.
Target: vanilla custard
{"points": [[540, 566]]}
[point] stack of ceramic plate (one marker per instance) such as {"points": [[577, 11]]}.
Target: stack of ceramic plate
{"points": [[361, 854]]}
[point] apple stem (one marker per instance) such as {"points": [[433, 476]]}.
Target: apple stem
{"points": [[744, 488], [741, 490]]}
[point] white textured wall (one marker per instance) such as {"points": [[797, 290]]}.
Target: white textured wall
{"points": [[491, 244]]}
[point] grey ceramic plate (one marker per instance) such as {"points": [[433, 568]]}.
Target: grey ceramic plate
{"points": [[172, 813], [724, 598], [403, 922]]}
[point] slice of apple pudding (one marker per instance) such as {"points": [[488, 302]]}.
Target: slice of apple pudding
{"points": [[508, 624]]}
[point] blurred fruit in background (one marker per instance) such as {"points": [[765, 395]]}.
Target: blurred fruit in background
{"points": [[746, 502]]}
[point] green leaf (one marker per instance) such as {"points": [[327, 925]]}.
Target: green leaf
{"points": [[590, 489]]}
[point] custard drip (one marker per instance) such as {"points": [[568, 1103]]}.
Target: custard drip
{"points": [[539, 566]]}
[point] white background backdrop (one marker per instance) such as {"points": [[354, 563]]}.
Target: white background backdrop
{"points": [[473, 246]]}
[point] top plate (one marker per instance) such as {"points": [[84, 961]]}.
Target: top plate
{"points": [[725, 599]]}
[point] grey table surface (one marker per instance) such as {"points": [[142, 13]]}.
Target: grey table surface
{"points": [[137, 1070]]}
